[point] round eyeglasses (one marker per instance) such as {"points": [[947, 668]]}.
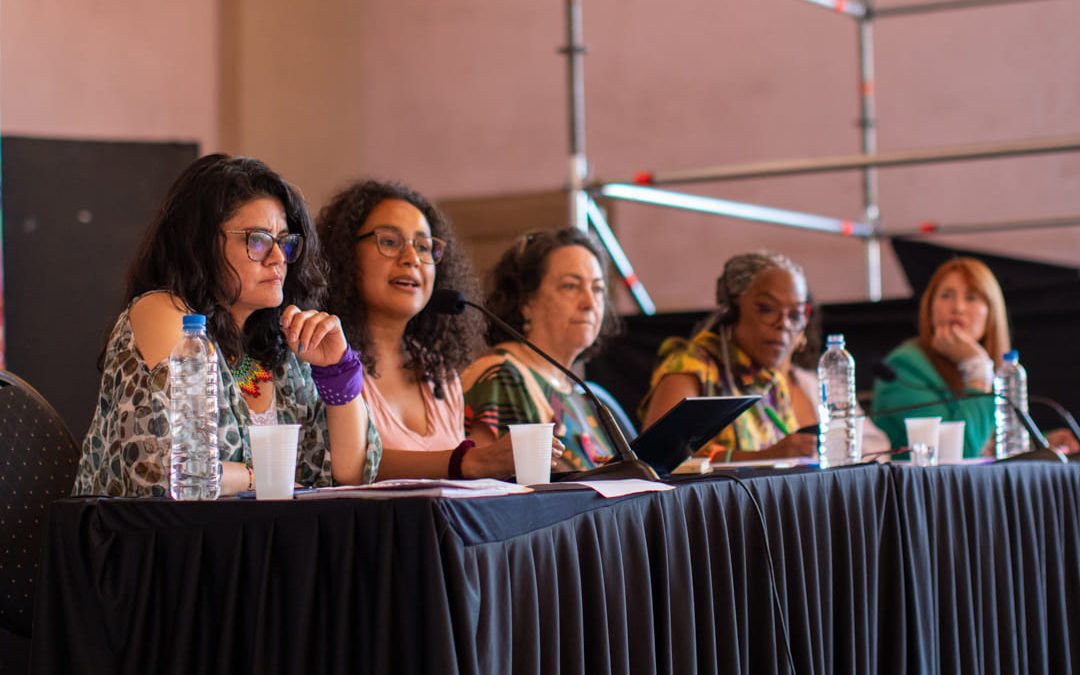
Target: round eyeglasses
{"points": [[391, 242], [793, 318], [261, 242]]}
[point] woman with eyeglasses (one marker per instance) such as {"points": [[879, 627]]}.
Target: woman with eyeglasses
{"points": [[234, 242], [743, 350], [552, 287], [388, 249]]}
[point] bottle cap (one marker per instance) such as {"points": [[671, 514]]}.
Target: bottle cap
{"points": [[194, 321], [837, 339], [1011, 356]]}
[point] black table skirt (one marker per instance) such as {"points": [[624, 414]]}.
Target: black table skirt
{"points": [[881, 570]]}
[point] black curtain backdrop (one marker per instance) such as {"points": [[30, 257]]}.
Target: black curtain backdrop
{"points": [[73, 213], [1043, 303]]}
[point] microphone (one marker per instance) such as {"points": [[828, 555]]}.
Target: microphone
{"points": [[1043, 452], [628, 465]]}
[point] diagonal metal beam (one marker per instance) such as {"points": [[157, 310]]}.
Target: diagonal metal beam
{"points": [[850, 162], [732, 209], [618, 257], [928, 228], [944, 5]]}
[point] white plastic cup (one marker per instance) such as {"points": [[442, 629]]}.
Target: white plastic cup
{"points": [[951, 442], [532, 452], [923, 430], [273, 456], [923, 454]]}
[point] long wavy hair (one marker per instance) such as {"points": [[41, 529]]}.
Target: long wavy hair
{"points": [[436, 345], [183, 252], [520, 270], [996, 340]]}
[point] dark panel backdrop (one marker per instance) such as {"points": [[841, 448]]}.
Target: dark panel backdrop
{"points": [[74, 212], [1043, 303]]}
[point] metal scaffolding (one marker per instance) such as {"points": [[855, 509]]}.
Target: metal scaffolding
{"points": [[644, 187]]}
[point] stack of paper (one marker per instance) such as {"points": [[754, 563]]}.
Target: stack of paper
{"points": [[418, 487]]}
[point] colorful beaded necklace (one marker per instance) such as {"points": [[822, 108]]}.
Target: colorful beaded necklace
{"points": [[249, 374]]}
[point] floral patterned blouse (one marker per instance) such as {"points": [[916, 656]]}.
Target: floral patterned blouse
{"points": [[126, 449], [501, 390], [703, 357]]}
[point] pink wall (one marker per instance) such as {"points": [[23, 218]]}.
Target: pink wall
{"points": [[467, 98], [470, 99], [114, 69]]}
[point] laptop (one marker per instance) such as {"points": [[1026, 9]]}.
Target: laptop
{"points": [[692, 423]]}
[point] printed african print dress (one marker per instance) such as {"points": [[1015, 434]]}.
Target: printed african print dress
{"points": [[703, 357]]}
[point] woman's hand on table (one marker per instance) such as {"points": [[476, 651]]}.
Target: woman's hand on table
{"points": [[1063, 440], [789, 447], [496, 459]]}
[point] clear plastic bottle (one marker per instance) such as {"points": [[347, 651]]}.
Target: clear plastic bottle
{"points": [[194, 465], [836, 376], [1010, 382]]}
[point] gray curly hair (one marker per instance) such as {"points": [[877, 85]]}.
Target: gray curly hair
{"points": [[741, 270]]}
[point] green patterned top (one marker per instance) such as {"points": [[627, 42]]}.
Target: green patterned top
{"points": [[126, 449], [501, 390]]}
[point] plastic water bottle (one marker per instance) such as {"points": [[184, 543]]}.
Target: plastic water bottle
{"points": [[193, 414], [836, 375], [1010, 382]]}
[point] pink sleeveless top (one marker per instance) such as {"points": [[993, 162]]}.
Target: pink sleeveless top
{"points": [[445, 418]]}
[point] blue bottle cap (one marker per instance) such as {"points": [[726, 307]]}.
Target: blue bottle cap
{"points": [[835, 339], [194, 321], [1011, 356]]}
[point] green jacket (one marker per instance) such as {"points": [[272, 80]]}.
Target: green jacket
{"points": [[913, 368]]}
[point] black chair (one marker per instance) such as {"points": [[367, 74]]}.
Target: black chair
{"points": [[38, 458]]}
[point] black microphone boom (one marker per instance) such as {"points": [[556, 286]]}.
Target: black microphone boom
{"points": [[447, 301]]}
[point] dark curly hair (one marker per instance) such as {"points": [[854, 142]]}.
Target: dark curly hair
{"points": [[183, 253], [518, 274], [437, 345]]}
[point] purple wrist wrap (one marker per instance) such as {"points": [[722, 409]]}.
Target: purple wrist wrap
{"points": [[342, 382]]}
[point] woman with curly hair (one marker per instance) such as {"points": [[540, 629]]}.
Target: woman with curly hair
{"points": [[388, 249], [233, 242], [552, 287]]}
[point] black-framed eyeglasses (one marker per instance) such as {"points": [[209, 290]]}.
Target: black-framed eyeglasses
{"points": [[796, 317], [391, 242], [261, 242]]}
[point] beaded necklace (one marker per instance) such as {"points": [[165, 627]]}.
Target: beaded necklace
{"points": [[249, 374]]}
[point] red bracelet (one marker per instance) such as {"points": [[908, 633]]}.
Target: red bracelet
{"points": [[453, 470]]}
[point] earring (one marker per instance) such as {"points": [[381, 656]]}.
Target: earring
{"points": [[801, 344], [526, 326]]}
